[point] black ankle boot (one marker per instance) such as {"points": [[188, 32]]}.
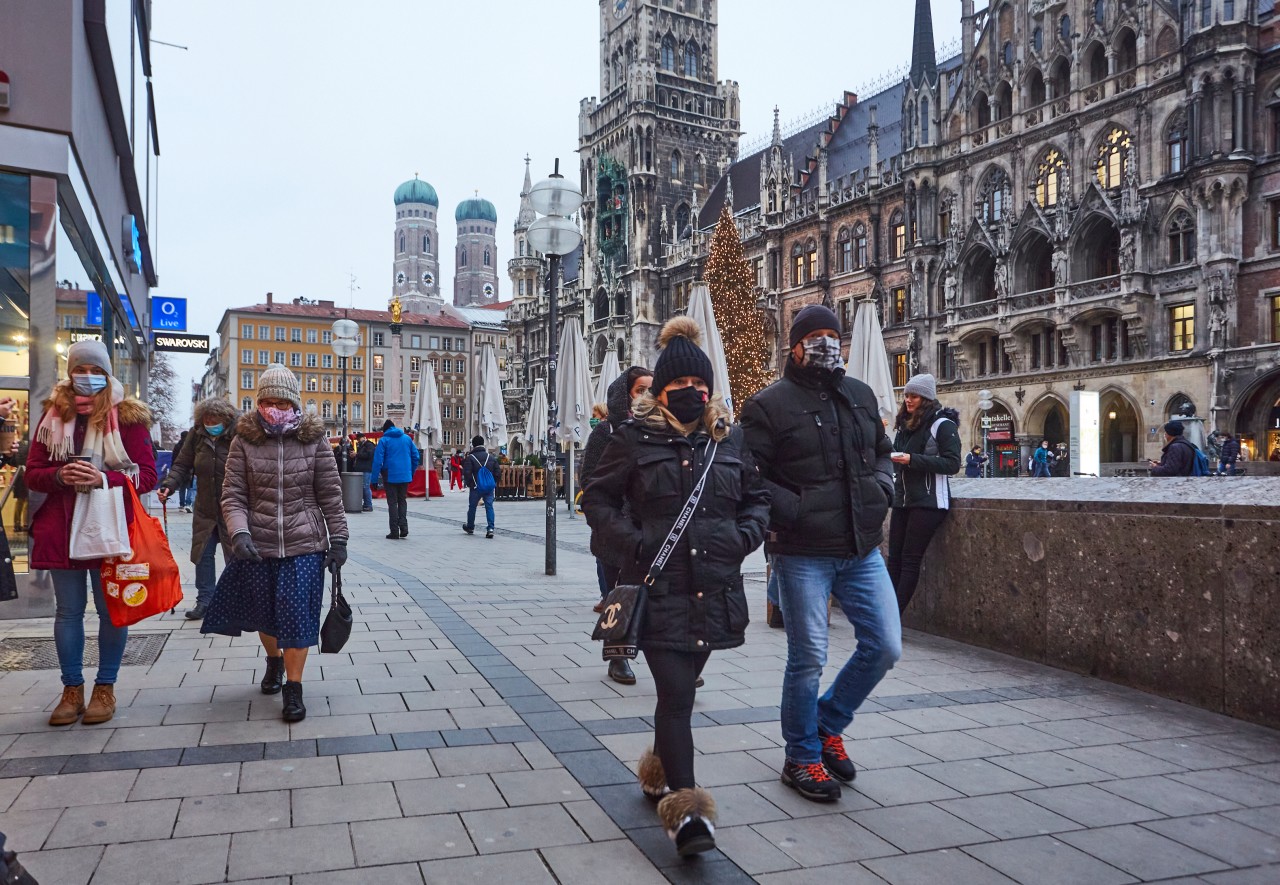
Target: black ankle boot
{"points": [[620, 671], [294, 711], [274, 677]]}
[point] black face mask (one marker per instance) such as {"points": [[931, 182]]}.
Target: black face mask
{"points": [[686, 403]]}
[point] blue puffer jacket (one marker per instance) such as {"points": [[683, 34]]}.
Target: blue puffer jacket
{"points": [[397, 455]]}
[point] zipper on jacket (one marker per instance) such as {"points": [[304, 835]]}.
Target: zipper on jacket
{"points": [[280, 498]]}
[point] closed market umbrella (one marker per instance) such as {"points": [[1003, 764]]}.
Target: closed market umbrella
{"points": [[491, 412], [535, 431], [574, 395], [427, 418], [701, 311], [868, 359], [609, 372]]}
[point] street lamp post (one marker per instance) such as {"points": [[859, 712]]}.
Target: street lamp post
{"points": [[985, 403], [554, 235], [344, 345]]}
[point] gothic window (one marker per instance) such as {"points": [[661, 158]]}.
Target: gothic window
{"points": [[1126, 50], [1037, 39], [993, 196], [1064, 29], [1035, 89], [488, 258], [1096, 62], [682, 222], [981, 111], [695, 170], [897, 236], [1175, 143], [1182, 238], [1100, 11], [667, 60], [402, 242], [1004, 101], [691, 56], [1166, 43], [797, 265], [1114, 158], [426, 243], [846, 250], [462, 257], [675, 164], [860, 246], [812, 251], [601, 305], [1006, 53], [924, 121], [1049, 178], [908, 117], [773, 195]]}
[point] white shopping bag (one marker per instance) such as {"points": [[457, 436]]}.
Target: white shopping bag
{"points": [[98, 526]]}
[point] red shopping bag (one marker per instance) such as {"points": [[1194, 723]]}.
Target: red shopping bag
{"points": [[147, 581]]}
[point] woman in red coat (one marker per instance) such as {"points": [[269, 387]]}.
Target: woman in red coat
{"points": [[86, 415]]}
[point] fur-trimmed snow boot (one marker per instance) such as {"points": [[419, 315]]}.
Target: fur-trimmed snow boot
{"points": [[689, 817], [653, 780]]}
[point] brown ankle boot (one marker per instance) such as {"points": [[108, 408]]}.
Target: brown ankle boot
{"points": [[102, 705], [70, 707]]}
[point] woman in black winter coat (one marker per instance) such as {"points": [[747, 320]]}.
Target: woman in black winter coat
{"points": [[697, 603], [974, 462], [926, 454]]}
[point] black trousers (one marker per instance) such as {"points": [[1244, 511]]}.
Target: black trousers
{"points": [[674, 674], [910, 531], [398, 507]]}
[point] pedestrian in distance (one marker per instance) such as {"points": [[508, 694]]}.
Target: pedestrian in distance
{"points": [[1179, 453], [822, 450], [1042, 460], [89, 432], [184, 492], [680, 441], [926, 454], [205, 456], [395, 459], [974, 462], [364, 464], [478, 476], [1228, 455], [455, 470], [282, 506]]}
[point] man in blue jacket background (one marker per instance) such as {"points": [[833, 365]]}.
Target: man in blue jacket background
{"points": [[398, 457]]}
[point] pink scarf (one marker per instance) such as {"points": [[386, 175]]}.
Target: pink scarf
{"points": [[105, 446]]}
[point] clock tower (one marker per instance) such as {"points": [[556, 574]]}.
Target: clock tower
{"points": [[652, 144], [416, 269]]}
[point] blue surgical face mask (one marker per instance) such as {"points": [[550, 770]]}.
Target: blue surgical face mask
{"points": [[88, 385], [214, 429]]}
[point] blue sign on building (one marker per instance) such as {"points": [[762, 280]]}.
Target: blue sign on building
{"points": [[169, 314], [92, 309]]}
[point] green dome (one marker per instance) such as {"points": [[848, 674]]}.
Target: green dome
{"points": [[476, 209], [416, 191]]}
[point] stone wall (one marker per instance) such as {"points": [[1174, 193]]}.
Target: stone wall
{"points": [[1167, 585]]}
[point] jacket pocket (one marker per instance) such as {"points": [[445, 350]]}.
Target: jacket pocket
{"points": [[737, 615], [726, 478]]}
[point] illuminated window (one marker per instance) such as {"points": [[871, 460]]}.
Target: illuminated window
{"points": [[1113, 158], [813, 262], [1275, 318], [900, 370], [897, 237], [1182, 328], [1049, 178], [898, 305], [797, 265]]}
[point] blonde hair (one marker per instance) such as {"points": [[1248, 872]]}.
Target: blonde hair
{"points": [[63, 401], [600, 410], [649, 411]]}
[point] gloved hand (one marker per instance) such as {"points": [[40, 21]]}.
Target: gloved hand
{"points": [[242, 548], [336, 556]]}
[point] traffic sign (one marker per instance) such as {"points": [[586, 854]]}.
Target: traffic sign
{"points": [[169, 314]]}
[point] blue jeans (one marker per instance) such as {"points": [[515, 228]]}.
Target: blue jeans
{"points": [[71, 598], [865, 594], [207, 570], [475, 498], [368, 491]]}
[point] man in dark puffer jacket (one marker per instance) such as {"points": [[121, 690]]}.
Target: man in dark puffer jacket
{"points": [[821, 447]]}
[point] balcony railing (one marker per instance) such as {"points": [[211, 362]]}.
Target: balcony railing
{"points": [[1032, 300], [976, 310], [1095, 288]]}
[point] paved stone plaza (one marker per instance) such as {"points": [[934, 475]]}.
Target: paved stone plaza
{"points": [[467, 733]]}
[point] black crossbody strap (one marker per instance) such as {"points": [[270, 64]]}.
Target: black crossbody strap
{"points": [[682, 522]]}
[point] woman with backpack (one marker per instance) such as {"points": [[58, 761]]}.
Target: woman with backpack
{"points": [[477, 473], [926, 454], [974, 462]]}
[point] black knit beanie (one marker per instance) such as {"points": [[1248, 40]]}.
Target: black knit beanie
{"points": [[811, 319], [681, 355], [1174, 428]]}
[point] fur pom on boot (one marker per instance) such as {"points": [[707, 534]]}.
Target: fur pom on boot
{"points": [[653, 780], [689, 818]]}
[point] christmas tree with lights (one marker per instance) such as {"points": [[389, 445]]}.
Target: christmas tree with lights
{"points": [[732, 284]]}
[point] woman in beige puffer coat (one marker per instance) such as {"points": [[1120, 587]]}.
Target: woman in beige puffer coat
{"points": [[282, 506]]}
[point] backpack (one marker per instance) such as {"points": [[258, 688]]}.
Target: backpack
{"points": [[1200, 462], [485, 483]]}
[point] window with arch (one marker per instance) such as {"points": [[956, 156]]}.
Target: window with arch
{"points": [[1049, 173], [797, 265], [1037, 39], [691, 57], [1126, 48], [695, 170], [357, 411], [897, 236], [1036, 93], [859, 246], [1006, 53], [246, 404], [1064, 29], [667, 56], [993, 196], [1100, 11], [1176, 143], [1114, 158], [426, 243], [326, 409], [1182, 238], [488, 258], [675, 164], [845, 242], [682, 222], [1096, 62], [981, 110], [924, 121], [811, 251], [462, 257], [402, 242]]}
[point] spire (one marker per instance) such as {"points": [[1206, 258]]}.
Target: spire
{"points": [[777, 128], [924, 59], [526, 216], [728, 189]]}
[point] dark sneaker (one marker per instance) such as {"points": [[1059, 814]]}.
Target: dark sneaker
{"points": [[274, 676], [394, 536], [489, 533], [470, 531], [835, 758], [293, 710], [810, 781]]}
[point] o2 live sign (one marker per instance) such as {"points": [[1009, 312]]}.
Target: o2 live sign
{"points": [[168, 314]]}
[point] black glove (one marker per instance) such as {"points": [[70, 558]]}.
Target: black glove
{"points": [[242, 548], [336, 556]]}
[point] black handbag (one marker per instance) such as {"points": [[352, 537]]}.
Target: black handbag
{"points": [[336, 629], [623, 613], [8, 579]]}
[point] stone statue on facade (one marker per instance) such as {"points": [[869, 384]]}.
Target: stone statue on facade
{"points": [[1002, 278], [1128, 250], [1061, 266], [949, 288]]}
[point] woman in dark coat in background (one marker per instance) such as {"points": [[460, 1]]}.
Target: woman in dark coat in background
{"points": [[636, 493]]}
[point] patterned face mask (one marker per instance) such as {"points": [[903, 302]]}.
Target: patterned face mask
{"points": [[822, 353]]}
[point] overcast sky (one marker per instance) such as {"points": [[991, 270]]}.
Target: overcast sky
{"points": [[286, 126]]}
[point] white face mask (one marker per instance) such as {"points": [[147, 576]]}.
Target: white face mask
{"points": [[822, 353]]}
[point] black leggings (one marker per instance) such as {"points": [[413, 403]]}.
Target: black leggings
{"points": [[674, 673], [910, 531]]}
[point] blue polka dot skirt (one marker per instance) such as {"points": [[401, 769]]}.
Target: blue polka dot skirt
{"points": [[279, 597]]}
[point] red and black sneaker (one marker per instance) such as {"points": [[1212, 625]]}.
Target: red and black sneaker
{"points": [[810, 781], [835, 758]]}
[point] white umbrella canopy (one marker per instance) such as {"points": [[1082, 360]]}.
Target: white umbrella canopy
{"points": [[427, 417], [574, 395], [535, 432], [868, 359], [609, 372], [701, 311], [491, 412]]}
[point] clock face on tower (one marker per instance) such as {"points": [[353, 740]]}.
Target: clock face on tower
{"points": [[429, 278], [488, 290], [400, 278], [619, 8]]}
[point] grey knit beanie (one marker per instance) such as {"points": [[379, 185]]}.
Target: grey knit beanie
{"points": [[922, 385], [278, 382], [91, 352]]}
